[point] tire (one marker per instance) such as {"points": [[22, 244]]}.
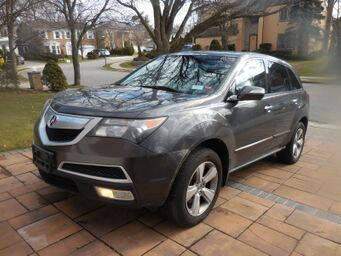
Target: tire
{"points": [[187, 184], [289, 155]]}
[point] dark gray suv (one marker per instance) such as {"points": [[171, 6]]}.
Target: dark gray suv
{"points": [[170, 133]]}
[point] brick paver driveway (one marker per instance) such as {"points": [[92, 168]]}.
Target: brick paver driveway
{"points": [[268, 209]]}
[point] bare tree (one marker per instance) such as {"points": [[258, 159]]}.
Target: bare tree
{"points": [[139, 35], [330, 5], [228, 11], [11, 11], [81, 17], [165, 12]]}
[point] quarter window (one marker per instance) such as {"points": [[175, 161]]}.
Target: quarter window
{"points": [[279, 80], [295, 84], [252, 74]]}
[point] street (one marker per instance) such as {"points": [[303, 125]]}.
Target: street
{"points": [[92, 72], [324, 98]]}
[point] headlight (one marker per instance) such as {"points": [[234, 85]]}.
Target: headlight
{"points": [[134, 130], [47, 103]]}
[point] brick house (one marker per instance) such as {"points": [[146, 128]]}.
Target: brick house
{"points": [[252, 32], [113, 35], [54, 37], [4, 40]]}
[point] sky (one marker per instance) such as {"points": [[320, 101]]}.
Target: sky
{"points": [[146, 8]]}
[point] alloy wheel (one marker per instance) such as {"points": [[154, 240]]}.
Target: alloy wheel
{"points": [[298, 143], [202, 188]]}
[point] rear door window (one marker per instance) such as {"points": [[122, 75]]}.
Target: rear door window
{"points": [[295, 84], [279, 80]]}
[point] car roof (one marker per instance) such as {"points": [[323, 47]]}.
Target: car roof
{"points": [[238, 55]]}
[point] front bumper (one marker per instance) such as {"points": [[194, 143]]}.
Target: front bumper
{"points": [[149, 175]]}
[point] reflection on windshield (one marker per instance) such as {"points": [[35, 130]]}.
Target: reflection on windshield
{"points": [[187, 74]]}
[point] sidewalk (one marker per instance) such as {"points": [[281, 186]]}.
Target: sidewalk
{"points": [[268, 209]]}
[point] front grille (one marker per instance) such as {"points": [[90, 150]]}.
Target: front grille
{"points": [[62, 135], [96, 170]]}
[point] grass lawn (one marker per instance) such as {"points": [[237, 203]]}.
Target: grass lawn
{"points": [[18, 112], [128, 64], [311, 68]]}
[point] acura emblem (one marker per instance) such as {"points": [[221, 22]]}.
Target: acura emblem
{"points": [[53, 120]]}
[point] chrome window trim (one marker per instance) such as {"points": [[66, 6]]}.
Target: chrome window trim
{"points": [[93, 177], [89, 125]]}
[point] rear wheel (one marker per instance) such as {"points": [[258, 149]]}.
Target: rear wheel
{"points": [[195, 189], [293, 151]]}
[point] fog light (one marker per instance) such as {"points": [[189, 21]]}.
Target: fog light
{"points": [[115, 194]]}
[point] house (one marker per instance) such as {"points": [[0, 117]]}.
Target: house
{"points": [[54, 37], [249, 33], [113, 35], [4, 46]]}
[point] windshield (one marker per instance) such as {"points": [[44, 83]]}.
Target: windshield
{"points": [[193, 74]]}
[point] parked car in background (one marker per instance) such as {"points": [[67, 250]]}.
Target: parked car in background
{"points": [[149, 49], [170, 133], [20, 60], [188, 47], [104, 53]]}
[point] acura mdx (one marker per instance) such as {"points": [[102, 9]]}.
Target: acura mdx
{"points": [[170, 133]]}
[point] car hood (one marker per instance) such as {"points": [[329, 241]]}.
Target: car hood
{"points": [[118, 101]]}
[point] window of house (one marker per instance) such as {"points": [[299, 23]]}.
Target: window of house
{"points": [[67, 34], [252, 74], [279, 80], [286, 41], [43, 34], [284, 15], [91, 35], [57, 35], [55, 49]]}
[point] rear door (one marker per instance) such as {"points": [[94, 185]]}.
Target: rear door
{"points": [[281, 101]]}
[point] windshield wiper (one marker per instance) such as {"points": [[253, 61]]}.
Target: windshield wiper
{"points": [[162, 88]]}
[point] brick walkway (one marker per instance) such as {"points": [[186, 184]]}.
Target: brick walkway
{"points": [[268, 209]]}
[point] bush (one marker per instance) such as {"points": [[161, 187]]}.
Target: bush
{"points": [[215, 45], [231, 47], [141, 58], [282, 54], [93, 55], [43, 56], [197, 47], [129, 50], [177, 45], [266, 47], [53, 77], [152, 54]]}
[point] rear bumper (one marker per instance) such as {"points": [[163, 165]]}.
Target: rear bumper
{"points": [[149, 175]]}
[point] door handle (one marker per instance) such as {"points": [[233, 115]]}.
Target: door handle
{"points": [[268, 108], [295, 101]]}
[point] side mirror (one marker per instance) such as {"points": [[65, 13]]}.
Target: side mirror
{"points": [[248, 93]]}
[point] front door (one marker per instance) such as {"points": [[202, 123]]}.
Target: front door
{"points": [[252, 124], [253, 43]]}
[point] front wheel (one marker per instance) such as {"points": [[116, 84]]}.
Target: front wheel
{"points": [[195, 189], [293, 151]]}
